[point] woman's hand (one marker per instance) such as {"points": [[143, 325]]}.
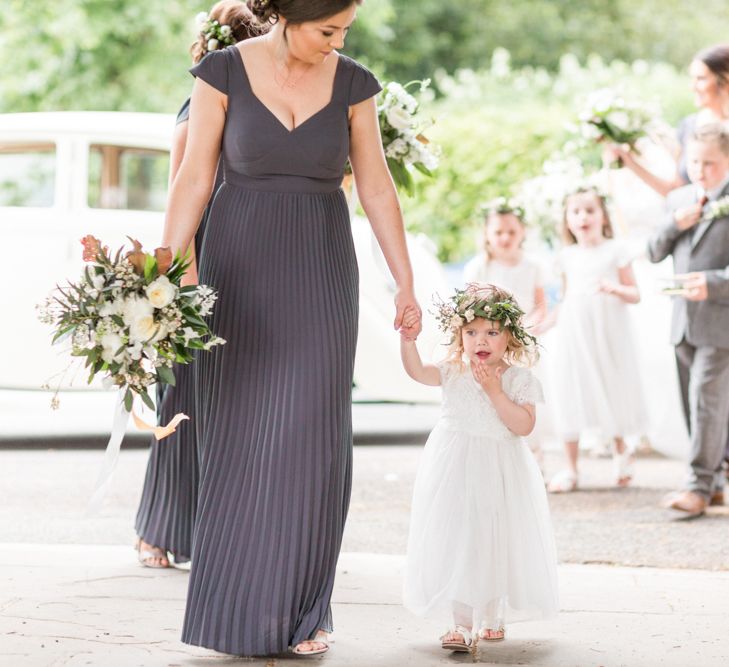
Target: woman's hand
{"points": [[408, 315]]}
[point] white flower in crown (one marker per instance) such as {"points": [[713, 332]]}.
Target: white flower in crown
{"points": [[200, 19], [469, 315], [212, 45], [225, 30]]}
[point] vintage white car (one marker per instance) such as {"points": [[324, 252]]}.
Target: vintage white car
{"points": [[67, 174]]}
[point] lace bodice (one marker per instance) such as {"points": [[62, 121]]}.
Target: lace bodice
{"points": [[466, 407]]}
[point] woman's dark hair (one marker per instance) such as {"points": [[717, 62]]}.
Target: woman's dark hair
{"points": [[298, 11], [238, 16], [716, 58]]}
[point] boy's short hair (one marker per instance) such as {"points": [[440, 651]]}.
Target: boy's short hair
{"points": [[717, 133]]}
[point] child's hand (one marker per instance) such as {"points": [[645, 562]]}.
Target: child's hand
{"points": [[489, 377], [609, 287], [687, 217]]}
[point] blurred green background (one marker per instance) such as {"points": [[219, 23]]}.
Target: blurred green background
{"points": [[507, 76]]}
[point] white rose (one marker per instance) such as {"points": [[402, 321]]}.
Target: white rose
{"points": [[213, 44], [142, 329], [225, 30], [200, 19], [399, 118], [161, 292], [470, 315], [110, 344]]}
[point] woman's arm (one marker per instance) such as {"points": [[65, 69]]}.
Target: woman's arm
{"points": [[414, 366], [193, 183], [377, 193], [661, 185], [177, 151]]}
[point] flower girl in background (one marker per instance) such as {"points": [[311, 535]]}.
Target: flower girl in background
{"points": [[480, 547], [502, 260], [595, 378]]}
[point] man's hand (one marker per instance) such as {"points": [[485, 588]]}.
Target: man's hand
{"points": [[695, 287]]}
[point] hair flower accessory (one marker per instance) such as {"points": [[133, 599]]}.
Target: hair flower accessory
{"points": [[478, 300], [503, 206], [215, 35]]}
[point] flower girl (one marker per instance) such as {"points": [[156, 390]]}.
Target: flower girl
{"points": [[596, 383], [502, 260], [480, 546]]}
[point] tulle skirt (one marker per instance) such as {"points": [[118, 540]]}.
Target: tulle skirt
{"points": [[480, 533]]}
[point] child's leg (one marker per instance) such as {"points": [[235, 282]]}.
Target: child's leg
{"points": [[463, 615], [566, 480], [623, 462]]}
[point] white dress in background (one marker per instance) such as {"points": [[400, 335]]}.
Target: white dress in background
{"points": [[480, 530], [521, 280], [594, 372]]}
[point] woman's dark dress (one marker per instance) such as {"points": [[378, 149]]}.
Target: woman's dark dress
{"points": [[274, 404], [166, 513]]}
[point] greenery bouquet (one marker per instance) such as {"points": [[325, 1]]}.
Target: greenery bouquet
{"points": [[129, 319]]}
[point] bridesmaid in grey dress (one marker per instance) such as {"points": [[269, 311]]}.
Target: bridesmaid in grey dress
{"points": [[166, 513], [274, 404]]}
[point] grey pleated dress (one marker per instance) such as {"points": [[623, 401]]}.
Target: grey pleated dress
{"points": [[274, 403], [166, 513]]}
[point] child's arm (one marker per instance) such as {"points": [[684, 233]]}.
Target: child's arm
{"points": [[414, 366], [539, 312], [519, 418], [626, 288]]}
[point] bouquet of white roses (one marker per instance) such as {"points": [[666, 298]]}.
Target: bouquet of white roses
{"points": [[129, 319], [402, 134], [607, 116]]}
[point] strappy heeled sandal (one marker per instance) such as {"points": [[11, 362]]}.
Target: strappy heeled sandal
{"points": [[497, 635], [454, 645], [321, 638], [145, 556], [623, 467]]}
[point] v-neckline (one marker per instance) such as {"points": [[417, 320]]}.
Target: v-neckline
{"points": [[273, 115]]}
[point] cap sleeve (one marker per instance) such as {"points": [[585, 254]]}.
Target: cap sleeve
{"points": [[363, 86], [213, 69], [447, 370], [526, 388], [183, 115]]}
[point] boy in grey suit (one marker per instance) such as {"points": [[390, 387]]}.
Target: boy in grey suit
{"points": [[698, 239]]}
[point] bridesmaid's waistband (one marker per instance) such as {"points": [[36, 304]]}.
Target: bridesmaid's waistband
{"points": [[283, 184]]}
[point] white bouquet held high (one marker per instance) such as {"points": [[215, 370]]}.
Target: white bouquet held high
{"points": [[129, 318], [609, 117], [402, 134]]}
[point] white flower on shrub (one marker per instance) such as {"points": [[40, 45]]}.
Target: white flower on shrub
{"points": [[161, 292], [399, 118]]}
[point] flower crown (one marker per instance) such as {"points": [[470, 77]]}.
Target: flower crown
{"points": [[501, 206], [215, 36], [477, 300]]}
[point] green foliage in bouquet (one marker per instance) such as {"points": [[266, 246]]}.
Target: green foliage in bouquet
{"points": [[129, 319]]}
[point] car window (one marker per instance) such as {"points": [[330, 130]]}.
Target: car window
{"points": [[127, 178], [27, 174]]}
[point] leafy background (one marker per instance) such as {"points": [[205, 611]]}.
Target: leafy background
{"points": [[507, 76]]}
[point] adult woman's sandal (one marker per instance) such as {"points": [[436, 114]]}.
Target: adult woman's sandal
{"points": [[316, 646], [153, 557], [451, 641]]}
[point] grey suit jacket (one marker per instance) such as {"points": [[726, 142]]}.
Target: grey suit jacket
{"points": [[705, 248]]}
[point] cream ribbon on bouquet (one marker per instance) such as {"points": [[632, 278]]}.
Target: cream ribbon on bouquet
{"points": [[111, 454]]}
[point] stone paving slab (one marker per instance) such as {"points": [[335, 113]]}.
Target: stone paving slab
{"points": [[76, 605]]}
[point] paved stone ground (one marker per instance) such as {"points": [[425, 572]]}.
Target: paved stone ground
{"points": [[44, 493]]}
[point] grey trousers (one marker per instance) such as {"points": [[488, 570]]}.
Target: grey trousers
{"points": [[703, 373]]}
